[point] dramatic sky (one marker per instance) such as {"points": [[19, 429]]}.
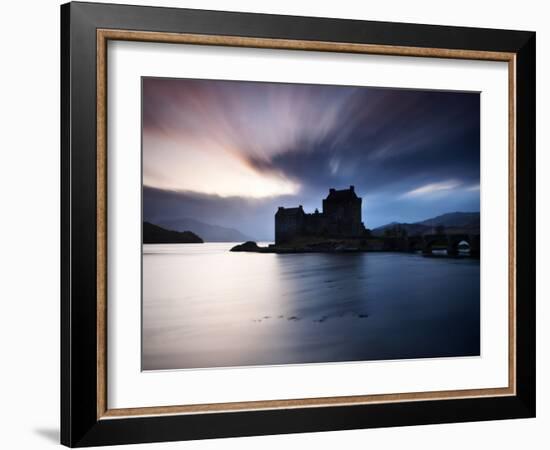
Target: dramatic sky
{"points": [[229, 152]]}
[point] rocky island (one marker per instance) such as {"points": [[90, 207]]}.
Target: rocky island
{"points": [[153, 234], [338, 228]]}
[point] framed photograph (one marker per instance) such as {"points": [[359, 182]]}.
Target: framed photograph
{"points": [[276, 224]]}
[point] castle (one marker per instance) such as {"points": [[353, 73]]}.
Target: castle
{"points": [[341, 218]]}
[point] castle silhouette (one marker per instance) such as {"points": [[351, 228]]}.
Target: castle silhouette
{"points": [[341, 218]]}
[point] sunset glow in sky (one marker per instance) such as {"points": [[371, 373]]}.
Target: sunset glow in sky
{"points": [[229, 152]]}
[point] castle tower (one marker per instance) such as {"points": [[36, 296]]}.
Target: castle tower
{"points": [[342, 209]]}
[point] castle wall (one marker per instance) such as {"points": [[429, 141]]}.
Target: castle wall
{"points": [[316, 224], [341, 217], [288, 225]]}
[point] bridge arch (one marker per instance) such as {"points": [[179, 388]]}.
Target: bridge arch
{"points": [[415, 243], [435, 242]]}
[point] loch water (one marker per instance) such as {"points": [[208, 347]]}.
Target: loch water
{"points": [[204, 306]]}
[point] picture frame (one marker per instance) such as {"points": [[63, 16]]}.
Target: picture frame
{"points": [[86, 418]]}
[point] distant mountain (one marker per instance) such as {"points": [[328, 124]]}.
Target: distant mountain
{"points": [[210, 233], [455, 222], [454, 219], [411, 228], [153, 234]]}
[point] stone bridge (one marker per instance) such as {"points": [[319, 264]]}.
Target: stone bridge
{"points": [[449, 242]]}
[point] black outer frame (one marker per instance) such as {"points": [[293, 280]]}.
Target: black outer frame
{"points": [[79, 423]]}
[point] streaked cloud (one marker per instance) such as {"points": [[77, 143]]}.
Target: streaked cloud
{"points": [[432, 188], [209, 169], [221, 137], [288, 144]]}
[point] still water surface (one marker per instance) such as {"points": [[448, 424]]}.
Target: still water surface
{"points": [[204, 306]]}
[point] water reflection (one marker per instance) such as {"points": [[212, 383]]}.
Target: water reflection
{"points": [[204, 306]]}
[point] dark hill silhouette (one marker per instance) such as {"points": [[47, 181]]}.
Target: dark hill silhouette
{"points": [[153, 234], [210, 233], [454, 219], [455, 222]]}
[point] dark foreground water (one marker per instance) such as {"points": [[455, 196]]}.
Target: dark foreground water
{"points": [[204, 306]]}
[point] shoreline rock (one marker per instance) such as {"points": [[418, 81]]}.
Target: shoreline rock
{"points": [[248, 246], [329, 247], [310, 247]]}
